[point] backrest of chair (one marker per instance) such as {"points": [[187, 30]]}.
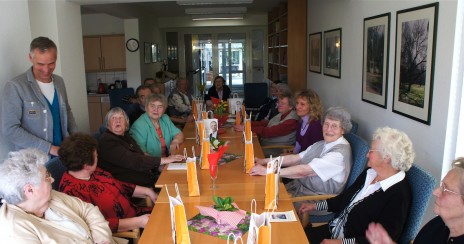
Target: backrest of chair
{"points": [[359, 150], [56, 169], [354, 127], [422, 185], [255, 94], [116, 96]]}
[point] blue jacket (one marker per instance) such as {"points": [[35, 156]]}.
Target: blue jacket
{"points": [[144, 133], [26, 119]]}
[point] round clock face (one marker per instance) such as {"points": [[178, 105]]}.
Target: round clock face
{"points": [[132, 45]]}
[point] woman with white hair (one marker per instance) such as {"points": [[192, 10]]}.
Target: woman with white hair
{"points": [[119, 153], [322, 168], [380, 194], [34, 213], [448, 225]]}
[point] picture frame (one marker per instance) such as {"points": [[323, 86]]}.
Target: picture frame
{"points": [[154, 53], [315, 52], [147, 52], [376, 49], [332, 52], [416, 34]]}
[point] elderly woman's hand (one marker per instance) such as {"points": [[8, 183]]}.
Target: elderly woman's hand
{"points": [[173, 147], [258, 170], [238, 128], [376, 234], [261, 161], [307, 207], [142, 220], [152, 195], [172, 158]]}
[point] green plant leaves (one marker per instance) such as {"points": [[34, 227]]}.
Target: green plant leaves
{"points": [[224, 204]]}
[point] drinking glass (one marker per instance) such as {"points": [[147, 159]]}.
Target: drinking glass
{"points": [[213, 170]]}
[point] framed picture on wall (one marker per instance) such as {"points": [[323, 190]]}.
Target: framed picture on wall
{"points": [[376, 46], [332, 52], [315, 52], [147, 52], [416, 33]]}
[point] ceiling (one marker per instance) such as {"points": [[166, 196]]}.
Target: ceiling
{"points": [[137, 8]]}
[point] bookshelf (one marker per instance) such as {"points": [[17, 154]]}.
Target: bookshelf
{"points": [[287, 43]]}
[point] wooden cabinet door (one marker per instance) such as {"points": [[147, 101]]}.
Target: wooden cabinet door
{"points": [[113, 52], [92, 54]]}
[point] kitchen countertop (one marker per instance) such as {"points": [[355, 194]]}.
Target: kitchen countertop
{"points": [[97, 95]]}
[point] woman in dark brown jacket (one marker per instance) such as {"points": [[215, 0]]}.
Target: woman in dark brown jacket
{"points": [[119, 154]]}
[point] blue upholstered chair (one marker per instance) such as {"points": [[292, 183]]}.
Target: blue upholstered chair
{"points": [[255, 95], [117, 95], [359, 150], [422, 185], [354, 127], [56, 169]]}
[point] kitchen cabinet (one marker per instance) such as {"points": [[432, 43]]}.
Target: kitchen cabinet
{"points": [[104, 53], [98, 106], [287, 43]]}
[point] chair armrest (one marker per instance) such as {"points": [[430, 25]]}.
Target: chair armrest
{"points": [[133, 234], [278, 146], [312, 198], [305, 217]]}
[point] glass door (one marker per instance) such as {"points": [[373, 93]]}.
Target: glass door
{"points": [[232, 60], [216, 54]]}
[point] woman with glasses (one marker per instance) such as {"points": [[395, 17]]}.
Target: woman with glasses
{"points": [[34, 213], [448, 226], [380, 194], [322, 168]]}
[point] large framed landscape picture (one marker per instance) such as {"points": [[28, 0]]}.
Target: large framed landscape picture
{"points": [[375, 59], [332, 52], [416, 31]]}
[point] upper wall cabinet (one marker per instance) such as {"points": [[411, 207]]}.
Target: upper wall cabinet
{"points": [[104, 53]]}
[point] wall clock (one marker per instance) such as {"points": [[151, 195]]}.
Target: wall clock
{"points": [[132, 45]]}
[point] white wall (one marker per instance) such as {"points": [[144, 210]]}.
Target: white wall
{"points": [[58, 20], [349, 15], [101, 24], [14, 47], [131, 27]]}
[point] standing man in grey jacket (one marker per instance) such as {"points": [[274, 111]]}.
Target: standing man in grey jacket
{"points": [[35, 111]]}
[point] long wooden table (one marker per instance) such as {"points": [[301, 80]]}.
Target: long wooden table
{"points": [[231, 181]]}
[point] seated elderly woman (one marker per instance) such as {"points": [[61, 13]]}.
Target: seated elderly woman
{"points": [[279, 130], [322, 168], [380, 194], [154, 132], [309, 108], [448, 226], [91, 184], [34, 213], [119, 153]]}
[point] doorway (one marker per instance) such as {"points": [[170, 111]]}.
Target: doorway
{"points": [[223, 54]]}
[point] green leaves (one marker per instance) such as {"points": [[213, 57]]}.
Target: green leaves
{"points": [[224, 204]]}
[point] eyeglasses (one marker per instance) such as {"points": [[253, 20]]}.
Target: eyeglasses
{"points": [[444, 189], [331, 126], [48, 177]]}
